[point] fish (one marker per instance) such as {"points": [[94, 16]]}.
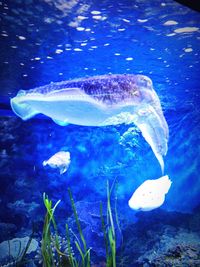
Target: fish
{"points": [[100, 101], [60, 160], [150, 194]]}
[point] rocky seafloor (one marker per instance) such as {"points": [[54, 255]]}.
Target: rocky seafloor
{"points": [[158, 238]]}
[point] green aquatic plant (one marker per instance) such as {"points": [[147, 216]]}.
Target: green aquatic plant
{"points": [[51, 249], [73, 261], [109, 231], [84, 252], [51, 258]]}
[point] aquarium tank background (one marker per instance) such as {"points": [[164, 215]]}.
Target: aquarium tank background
{"points": [[44, 42]]}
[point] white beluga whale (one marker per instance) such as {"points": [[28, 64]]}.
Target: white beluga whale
{"points": [[99, 101], [60, 160], [150, 194]]}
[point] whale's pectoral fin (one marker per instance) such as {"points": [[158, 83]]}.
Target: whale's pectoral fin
{"points": [[151, 126]]}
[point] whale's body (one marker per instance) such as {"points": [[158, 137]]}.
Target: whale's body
{"points": [[99, 101]]}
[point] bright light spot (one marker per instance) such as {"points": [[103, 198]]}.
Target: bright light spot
{"points": [[188, 50], [58, 51], [170, 34], [37, 58], [78, 49], [129, 58], [22, 38], [126, 20], [80, 29], [121, 30], [81, 17], [97, 17], [142, 20], [117, 54], [95, 12], [186, 29], [170, 22]]}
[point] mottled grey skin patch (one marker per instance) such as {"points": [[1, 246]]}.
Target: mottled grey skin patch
{"points": [[108, 89]]}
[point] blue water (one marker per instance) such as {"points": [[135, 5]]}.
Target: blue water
{"points": [[49, 41]]}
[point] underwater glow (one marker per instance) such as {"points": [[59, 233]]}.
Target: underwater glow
{"points": [[80, 59]]}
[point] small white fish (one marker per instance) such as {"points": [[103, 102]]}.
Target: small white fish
{"points": [[60, 160], [151, 194]]}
